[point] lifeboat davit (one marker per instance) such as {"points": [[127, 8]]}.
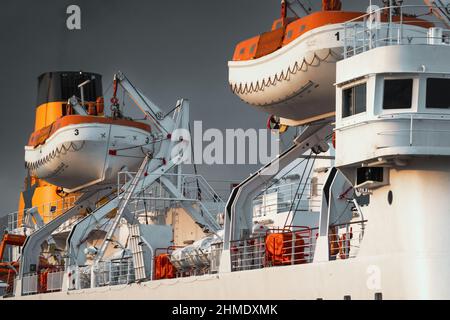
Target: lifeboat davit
{"points": [[289, 72], [74, 151]]}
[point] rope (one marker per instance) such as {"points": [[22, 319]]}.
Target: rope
{"points": [[241, 89], [298, 188], [303, 191], [285, 174]]}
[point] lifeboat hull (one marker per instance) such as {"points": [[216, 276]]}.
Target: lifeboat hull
{"points": [[294, 82], [78, 156]]}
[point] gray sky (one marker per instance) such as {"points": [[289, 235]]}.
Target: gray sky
{"points": [[169, 49]]}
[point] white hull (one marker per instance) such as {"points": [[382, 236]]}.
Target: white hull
{"points": [[328, 280], [77, 156]]}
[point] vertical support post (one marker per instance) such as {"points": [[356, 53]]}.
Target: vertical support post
{"points": [[364, 36], [390, 22], [93, 276], [400, 40], [292, 247], [345, 41]]}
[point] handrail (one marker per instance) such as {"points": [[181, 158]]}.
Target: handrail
{"points": [[395, 28], [69, 201], [393, 7]]}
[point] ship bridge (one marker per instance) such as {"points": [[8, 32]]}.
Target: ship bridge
{"points": [[398, 105]]}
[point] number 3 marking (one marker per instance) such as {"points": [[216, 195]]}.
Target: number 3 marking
{"points": [[77, 132]]}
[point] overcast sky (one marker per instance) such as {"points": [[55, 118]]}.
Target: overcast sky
{"points": [[169, 49]]}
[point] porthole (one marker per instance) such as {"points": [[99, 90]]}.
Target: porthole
{"points": [[390, 197]]}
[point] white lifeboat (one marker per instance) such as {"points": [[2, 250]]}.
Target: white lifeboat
{"points": [[295, 80], [290, 72], [78, 151]]}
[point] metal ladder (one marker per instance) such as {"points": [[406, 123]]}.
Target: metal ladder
{"points": [[129, 191], [137, 252]]}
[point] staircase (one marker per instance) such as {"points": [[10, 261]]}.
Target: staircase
{"points": [[137, 252], [125, 198]]}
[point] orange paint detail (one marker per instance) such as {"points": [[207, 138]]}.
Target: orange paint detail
{"points": [[163, 267], [329, 5], [333, 139], [11, 239], [314, 21], [268, 42], [279, 248], [246, 50], [100, 104], [40, 136], [281, 23], [8, 275], [49, 202], [47, 113]]}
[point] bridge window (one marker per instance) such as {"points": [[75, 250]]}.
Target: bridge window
{"points": [[242, 51], [354, 100], [252, 48], [438, 93], [397, 94]]}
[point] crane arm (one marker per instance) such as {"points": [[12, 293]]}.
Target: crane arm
{"points": [[151, 110]]}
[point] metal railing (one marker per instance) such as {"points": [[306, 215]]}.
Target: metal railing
{"points": [[194, 262], [197, 261], [47, 211], [412, 130], [156, 198], [30, 284], [278, 247], [55, 281], [83, 277], [394, 25], [282, 198], [295, 245], [345, 239], [114, 272], [216, 253], [9, 291], [46, 280]]}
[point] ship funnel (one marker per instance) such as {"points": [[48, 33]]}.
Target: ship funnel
{"points": [[55, 88]]}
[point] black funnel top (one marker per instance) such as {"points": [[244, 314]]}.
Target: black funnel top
{"points": [[61, 85]]}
